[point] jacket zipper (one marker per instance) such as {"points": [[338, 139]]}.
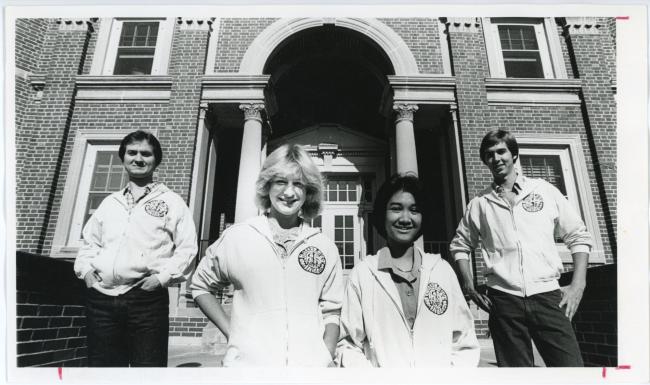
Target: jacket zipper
{"points": [[519, 253], [286, 290]]}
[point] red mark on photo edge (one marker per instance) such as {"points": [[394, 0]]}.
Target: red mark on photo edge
{"points": [[604, 372], [60, 373], [622, 17], [623, 367]]}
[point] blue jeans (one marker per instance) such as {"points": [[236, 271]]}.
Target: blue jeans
{"points": [[131, 329], [515, 320]]}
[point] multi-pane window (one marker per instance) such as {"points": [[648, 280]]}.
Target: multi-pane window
{"points": [[521, 47], [108, 176], [136, 48], [341, 190], [344, 239], [521, 56]]}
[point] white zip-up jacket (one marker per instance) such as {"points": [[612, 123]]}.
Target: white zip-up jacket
{"points": [[518, 243], [156, 237], [280, 306], [375, 332]]}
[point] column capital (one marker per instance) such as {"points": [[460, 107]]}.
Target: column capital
{"points": [[252, 111], [581, 25], [404, 111], [462, 24], [75, 24], [195, 24]]}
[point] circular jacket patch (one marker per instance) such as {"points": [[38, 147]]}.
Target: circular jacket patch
{"points": [[311, 259], [156, 208], [436, 299], [533, 203]]}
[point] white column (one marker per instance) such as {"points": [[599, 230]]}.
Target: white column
{"points": [[407, 161], [249, 161], [458, 167]]}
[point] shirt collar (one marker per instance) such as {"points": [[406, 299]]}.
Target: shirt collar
{"points": [[385, 261], [517, 187], [147, 189]]}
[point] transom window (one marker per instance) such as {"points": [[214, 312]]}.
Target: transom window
{"points": [[136, 49]]}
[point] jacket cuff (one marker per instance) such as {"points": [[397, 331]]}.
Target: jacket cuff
{"points": [[196, 293], [81, 274], [164, 278], [460, 255], [329, 319], [580, 249]]}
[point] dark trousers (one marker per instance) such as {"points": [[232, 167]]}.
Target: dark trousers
{"points": [[128, 330], [515, 320]]}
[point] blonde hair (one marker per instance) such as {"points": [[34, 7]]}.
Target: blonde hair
{"points": [[291, 157]]}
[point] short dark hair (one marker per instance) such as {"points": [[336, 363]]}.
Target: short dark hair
{"points": [[138, 136], [497, 136], [398, 182]]}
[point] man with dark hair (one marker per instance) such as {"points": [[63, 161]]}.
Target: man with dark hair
{"points": [[512, 225], [139, 241]]}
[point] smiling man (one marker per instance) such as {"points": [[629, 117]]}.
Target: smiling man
{"points": [[139, 241], [513, 225]]}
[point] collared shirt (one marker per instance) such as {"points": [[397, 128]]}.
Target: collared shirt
{"points": [[129, 195], [509, 196], [406, 281]]}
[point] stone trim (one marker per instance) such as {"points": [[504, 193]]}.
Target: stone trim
{"points": [[233, 88], [463, 24], [423, 89], [75, 24], [390, 42], [193, 24], [581, 26], [123, 89], [516, 91]]}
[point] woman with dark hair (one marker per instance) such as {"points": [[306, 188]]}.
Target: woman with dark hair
{"points": [[404, 307], [286, 275]]}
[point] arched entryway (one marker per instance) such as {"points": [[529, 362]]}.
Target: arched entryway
{"points": [[341, 88]]}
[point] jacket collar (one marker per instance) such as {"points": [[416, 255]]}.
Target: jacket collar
{"points": [[526, 186], [261, 224], [157, 190], [429, 262]]}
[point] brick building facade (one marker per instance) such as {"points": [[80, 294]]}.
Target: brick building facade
{"points": [[367, 96]]}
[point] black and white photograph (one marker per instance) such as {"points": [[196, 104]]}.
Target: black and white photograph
{"points": [[309, 193]]}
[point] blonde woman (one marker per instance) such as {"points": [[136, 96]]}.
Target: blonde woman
{"points": [[286, 275]]}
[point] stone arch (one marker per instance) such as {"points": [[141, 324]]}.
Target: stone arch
{"points": [[395, 48]]}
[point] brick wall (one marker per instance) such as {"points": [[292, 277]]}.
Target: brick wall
{"points": [[547, 120], [187, 65], [595, 323], [187, 326], [422, 38], [235, 36], [49, 121], [470, 66], [92, 41], [29, 42], [599, 114], [50, 313]]}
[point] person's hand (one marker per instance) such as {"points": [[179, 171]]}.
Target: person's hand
{"points": [[571, 296], [91, 277], [481, 300], [148, 283]]}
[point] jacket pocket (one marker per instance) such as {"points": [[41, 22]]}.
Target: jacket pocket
{"points": [[504, 263], [540, 266]]}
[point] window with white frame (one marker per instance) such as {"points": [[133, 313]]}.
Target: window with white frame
{"points": [[523, 48], [95, 171], [133, 46], [559, 160]]}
